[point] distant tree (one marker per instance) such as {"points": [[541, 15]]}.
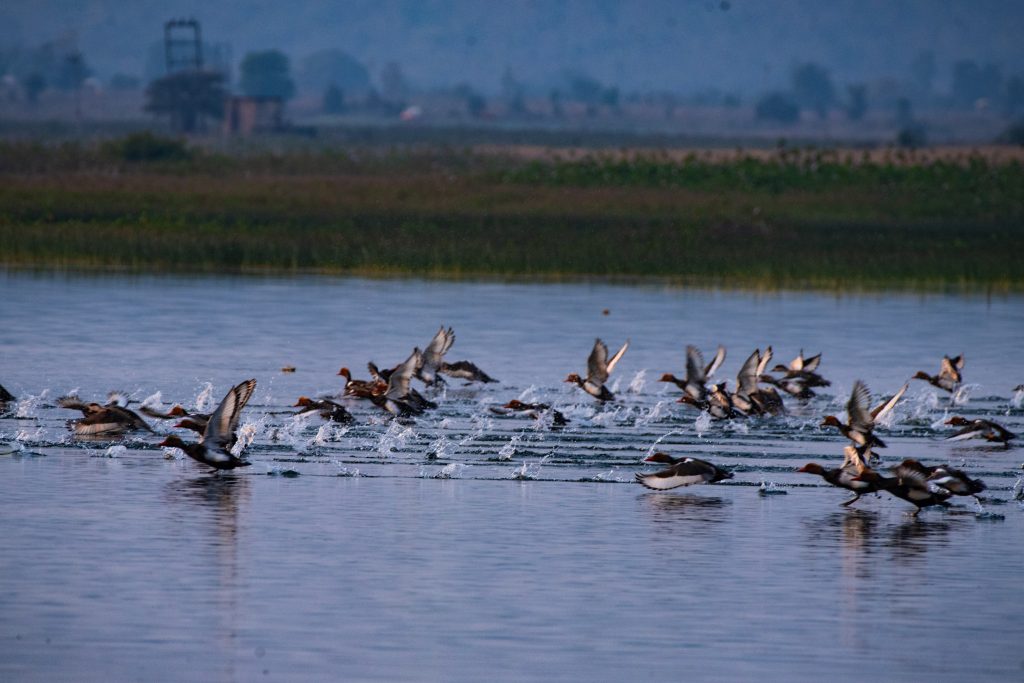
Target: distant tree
{"points": [[856, 101], [72, 71], [187, 97], [610, 97], [324, 68], [585, 89], [266, 74], [392, 83], [334, 100], [777, 106], [813, 88], [475, 102], [34, 84], [1014, 135], [904, 113], [555, 98]]}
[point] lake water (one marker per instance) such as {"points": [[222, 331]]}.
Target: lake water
{"points": [[470, 546]]}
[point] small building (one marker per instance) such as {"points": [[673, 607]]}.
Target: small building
{"points": [[245, 115]]}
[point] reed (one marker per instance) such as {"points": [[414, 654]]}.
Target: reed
{"points": [[806, 220]]}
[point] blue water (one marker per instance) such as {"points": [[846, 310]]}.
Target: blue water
{"points": [[471, 546]]}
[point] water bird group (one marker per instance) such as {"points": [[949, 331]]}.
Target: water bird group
{"points": [[754, 394]]}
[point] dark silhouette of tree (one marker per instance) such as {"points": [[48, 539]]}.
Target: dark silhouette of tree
{"points": [[813, 88], [266, 74], [1014, 100], [72, 71], [512, 92], [334, 100], [186, 97], [34, 84], [325, 68], [778, 107], [476, 105], [856, 101]]}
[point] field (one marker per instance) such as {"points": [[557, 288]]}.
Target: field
{"points": [[785, 218]]}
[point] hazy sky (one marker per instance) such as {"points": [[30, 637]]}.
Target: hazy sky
{"points": [[682, 45]]}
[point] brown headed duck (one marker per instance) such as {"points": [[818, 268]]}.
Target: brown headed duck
{"points": [[949, 376], [854, 464], [362, 388], [910, 484], [682, 472], [328, 409], [862, 418], [219, 436], [984, 429], [599, 366], [433, 356], [110, 419], [697, 373]]}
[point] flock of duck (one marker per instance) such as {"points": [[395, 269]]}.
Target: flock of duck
{"points": [[755, 393]]}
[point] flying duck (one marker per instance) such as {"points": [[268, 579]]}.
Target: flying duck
{"points": [[396, 398], [328, 409], [463, 369], [697, 373], [534, 410], [862, 419], [682, 472], [749, 398], [803, 369], [986, 429], [949, 376], [219, 436], [362, 388], [599, 366], [433, 356], [110, 419]]}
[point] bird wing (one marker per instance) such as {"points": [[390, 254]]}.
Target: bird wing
{"points": [[695, 366], [746, 379], [597, 363], [879, 412], [617, 357], [398, 383], [220, 429], [716, 362], [762, 364], [72, 402], [437, 347], [810, 364], [950, 367], [913, 474], [117, 398], [857, 407]]}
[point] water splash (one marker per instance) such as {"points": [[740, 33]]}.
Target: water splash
{"points": [[115, 451], [438, 450], [155, 401], [770, 488], [1017, 493], [702, 423], [172, 453], [963, 394], [348, 472], [659, 411], [205, 402], [509, 449], [246, 435], [654, 446], [28, 406], [394, 438], [637, 384], [1018, 399], [29, 435], [450, 471], [327, 433]]}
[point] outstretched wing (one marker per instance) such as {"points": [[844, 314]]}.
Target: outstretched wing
{"points": [[597, 363], [716, 362], [695, 366], [746, 379], [951, 367], [220, 429], [398, 382], [810, 364], [438, 346], [617, 357], [857, 407], [762, 364], [879, 412]]}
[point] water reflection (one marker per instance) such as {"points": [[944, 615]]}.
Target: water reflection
{"points": [[915, 536], [670, 508]]}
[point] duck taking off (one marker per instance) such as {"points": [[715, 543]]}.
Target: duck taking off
{"points": [[982, 429], [682, 472], [220, 435], [697, 373], [949, 377], [599, 366], [433, 356], [862, 419], [110, 419]]}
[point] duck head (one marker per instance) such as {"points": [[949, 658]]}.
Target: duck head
{"points": [[177, 411], [302, 402], [921, 374], [573, 378], [346, 373], [172, 441], [515, 404], [663, 458], [667, 377], [830, 421], [812, 468], [958, 421]]}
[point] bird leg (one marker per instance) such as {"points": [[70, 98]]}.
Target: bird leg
{"points": [[851, 501]]}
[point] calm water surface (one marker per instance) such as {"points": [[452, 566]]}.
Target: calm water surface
{"points": [[472, 546]]}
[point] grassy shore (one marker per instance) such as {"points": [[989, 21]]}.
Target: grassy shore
{"points": [[788, 219]]}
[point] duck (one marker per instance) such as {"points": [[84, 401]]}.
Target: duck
{"points": [[854, 464], [328, 409], [803, 369], [986, 429], [795, 387], [176, 411], [433, 356], [463, 369], [219, 437], [955, 481], [396, 398], [749, 398], [697, 373], [110, 419], [862, 419], [910, 484], [681, 472], [717, 403], [362, 388], [599, 366], [949, 376], [534, 410]]}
